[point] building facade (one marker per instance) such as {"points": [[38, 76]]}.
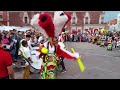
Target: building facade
{"points": [[84, 21], [81, 21], [4, 18], [20, 18]]}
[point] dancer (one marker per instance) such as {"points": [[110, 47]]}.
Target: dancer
{"points": [[51, 29]]}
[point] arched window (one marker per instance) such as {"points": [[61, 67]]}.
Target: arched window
{"points": [[26, 20], [1, 17], [86, 30], [73, 20], [102, 20], [86, 20]]}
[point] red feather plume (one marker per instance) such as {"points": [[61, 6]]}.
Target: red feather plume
{"points": [[45, 21]]}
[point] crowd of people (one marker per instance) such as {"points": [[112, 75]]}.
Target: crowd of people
{"points": [[50, 45], [79, 37], [99, 38], [50, 50], [110, 38], [11, 42]]}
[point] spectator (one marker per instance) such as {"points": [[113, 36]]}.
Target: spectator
{"points": [[13, 42], [6, 67], [28, 39], [40, 40], [5, 40]]}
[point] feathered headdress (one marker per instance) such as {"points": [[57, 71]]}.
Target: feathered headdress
{"points": [[45, 21], [34, 22], [61, 18], [50, 28]]}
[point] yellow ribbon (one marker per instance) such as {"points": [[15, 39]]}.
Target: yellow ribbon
{"points": [[80, 63]]}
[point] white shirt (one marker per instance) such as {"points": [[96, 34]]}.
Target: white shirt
{"points": [[35, 40], [29, 44], [51, 49], [118, 43], [26, 50], [40, 38]]}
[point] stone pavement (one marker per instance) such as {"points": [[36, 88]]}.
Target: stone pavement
{"points": [[99, 63]]}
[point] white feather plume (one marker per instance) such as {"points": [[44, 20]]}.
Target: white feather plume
{"points": [[34, 23], [59, 21]]}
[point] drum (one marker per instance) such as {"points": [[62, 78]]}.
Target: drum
{"points": [[33, 70], [36, 65], [21, 62], [35, 48]]}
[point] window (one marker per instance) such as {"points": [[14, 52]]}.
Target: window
{"points": [[25, 19], [79, 30], [86, 20], [86, 30], [73, 20], [1, 17], [102, 22]]}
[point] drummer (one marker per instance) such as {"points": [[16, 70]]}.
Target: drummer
{"points": [[25, 51], [28, 39]]}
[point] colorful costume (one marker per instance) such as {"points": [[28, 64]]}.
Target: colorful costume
{"points": [[110, 46], [43, 22], [102, 41]]}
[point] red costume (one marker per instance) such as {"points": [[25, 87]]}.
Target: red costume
{"points": [[54, 28]]}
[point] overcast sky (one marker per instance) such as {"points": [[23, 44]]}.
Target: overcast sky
{"points": [[109, 15]]}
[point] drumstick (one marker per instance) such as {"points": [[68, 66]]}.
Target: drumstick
{"points": [[80, 63]]}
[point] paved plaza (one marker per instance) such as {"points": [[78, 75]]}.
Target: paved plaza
{"points": [[99, 63]]}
